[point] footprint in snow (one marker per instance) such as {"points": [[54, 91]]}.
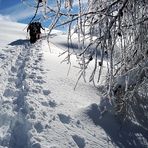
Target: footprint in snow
{"points": [[37, 48], [79, 141], [39, 77], [11, 79], [3, 56], [38, 126], [46, 92], [36, 61], [32, 75], [40, 58], [13, 69], [39, 81], [51, 103], [64, 118], [9, 92]]}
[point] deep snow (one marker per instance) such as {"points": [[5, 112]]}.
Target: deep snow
{"points": [[39, 107]]}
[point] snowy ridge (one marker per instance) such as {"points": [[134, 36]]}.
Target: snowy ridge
{"points": [[40, 109]]}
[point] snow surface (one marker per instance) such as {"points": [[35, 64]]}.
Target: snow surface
{"points": [[39, 107]]}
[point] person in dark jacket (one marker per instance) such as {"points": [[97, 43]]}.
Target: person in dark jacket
{"points": [[32, 32], [38, 27]]}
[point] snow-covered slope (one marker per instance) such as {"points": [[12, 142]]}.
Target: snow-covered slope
{"points": [[39, 107], [10, 31]]}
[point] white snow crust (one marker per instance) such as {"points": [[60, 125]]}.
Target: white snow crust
{"points": [[39, 107]]}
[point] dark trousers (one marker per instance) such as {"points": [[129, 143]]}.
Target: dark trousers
{"points": [[33, 38]]}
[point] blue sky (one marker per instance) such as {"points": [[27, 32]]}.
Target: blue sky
{"points": [[8, 3], [16, 10]]}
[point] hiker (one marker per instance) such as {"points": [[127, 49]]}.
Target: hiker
{"points": [[38, 27], [32, 32]]}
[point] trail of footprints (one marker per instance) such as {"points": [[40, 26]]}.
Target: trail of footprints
{"points": [[35, 77], [14, 95], [24, 82]]}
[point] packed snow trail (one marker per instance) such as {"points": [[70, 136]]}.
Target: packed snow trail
{"points": [[40, 109], [13, 105], [39, 103]]}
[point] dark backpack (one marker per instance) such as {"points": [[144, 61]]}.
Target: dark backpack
{"points": [[33, 28]]}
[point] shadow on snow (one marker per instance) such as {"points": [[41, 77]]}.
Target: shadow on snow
{"points": [[19, 42], [129, 135]]}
